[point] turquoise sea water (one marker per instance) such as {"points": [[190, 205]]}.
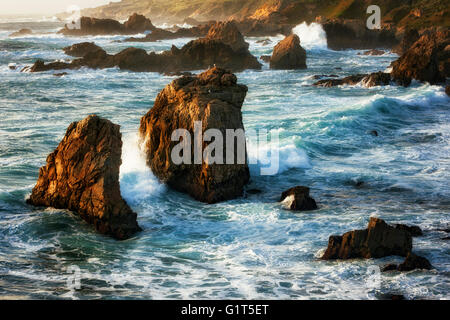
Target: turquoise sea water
{"points": [[245, 248]]}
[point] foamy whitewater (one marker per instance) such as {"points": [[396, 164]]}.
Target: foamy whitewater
{"points": [[249, 247]]}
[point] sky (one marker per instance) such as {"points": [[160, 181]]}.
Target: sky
{"points": [[11, 7]]}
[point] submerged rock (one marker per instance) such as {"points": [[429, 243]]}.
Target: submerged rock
{"points": [[81, 49], [82, 175], [428, 60], [413, 262], [288, 54], [377, 241], [21, 33], [376, 79], [215, 99], [298, 199]]}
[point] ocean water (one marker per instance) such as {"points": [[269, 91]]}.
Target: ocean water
{"points": [[249, 247]]}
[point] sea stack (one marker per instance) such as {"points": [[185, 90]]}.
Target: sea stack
{"points": [[377, 241], [82, 175], [288, 54], [215, 99]]}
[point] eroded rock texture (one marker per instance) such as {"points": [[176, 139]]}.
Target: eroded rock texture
{"points": [[288, 54], [82, 175], [215, 99]]}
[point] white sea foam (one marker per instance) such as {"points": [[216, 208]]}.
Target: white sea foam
{"points": [[136, 179], [312, 36]]}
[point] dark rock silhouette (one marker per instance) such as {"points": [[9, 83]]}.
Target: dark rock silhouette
{"points": [[298, 199], [81, 49]]}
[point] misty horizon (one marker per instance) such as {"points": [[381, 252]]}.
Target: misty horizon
{"points": [[46, 7]]}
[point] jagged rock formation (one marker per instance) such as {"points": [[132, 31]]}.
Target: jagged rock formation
{"points": [[92, 26], [215, 99], [377, 241], [163, 34], [81, 49], [427, 60], [288, 54], [21, 33], [298, 199], [82, 175]]}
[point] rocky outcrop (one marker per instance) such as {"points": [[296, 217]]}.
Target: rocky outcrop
{"points": [[137, 23], [93, 26], [428, 60], [298, 199], [367, 80], [353, 34], [215, 99], [288, 54], [81, 49], [82, 175], [409, 38], [377, 241], [162, 34], [228, 33], [196, 55], [412, 262], [21, 33]]}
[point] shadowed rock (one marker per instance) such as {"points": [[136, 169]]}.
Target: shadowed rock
{"points": [[413, 262], [215, 99], [82, 175], [377, 241], [447, 90], [298, 199], [415, 231], [81, 49], [288, 54]]}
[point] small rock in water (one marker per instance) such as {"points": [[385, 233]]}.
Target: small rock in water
{"points": [[12, 66], [389, 267], [60, 74], [288, 54], [447, 90], [373, 52], [377, 241], [298, 199], [374, 133], [413, 262]]}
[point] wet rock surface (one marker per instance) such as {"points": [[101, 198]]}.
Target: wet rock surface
{"points": [[288, 54]]}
